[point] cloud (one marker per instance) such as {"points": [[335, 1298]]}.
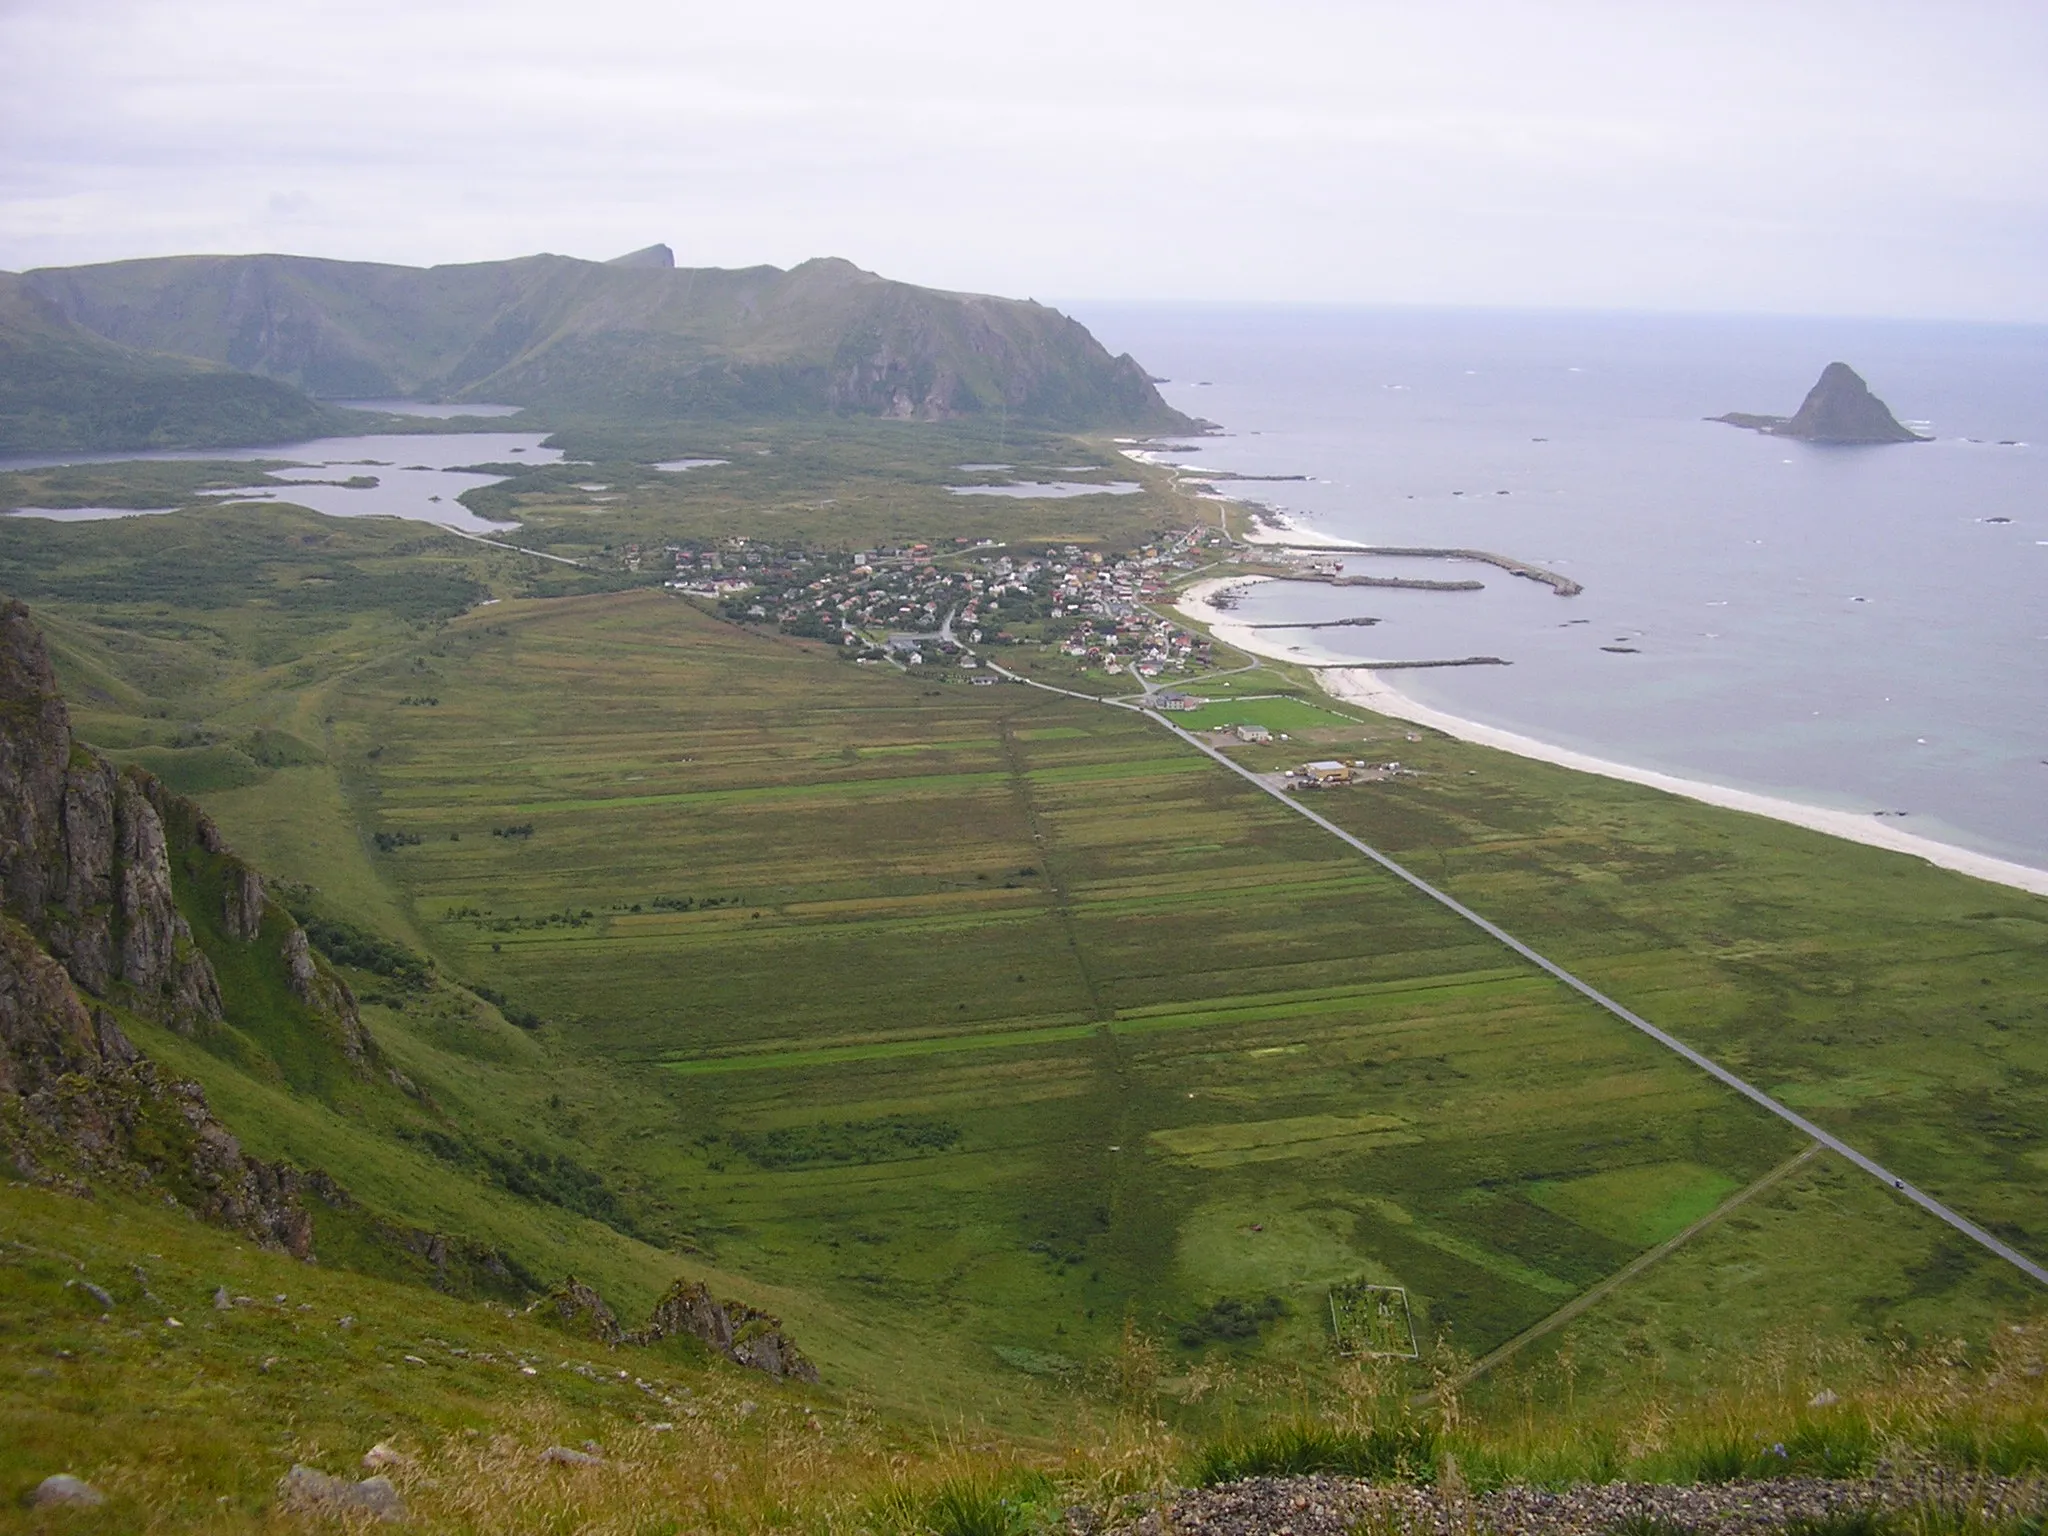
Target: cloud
{"points": [[1828, 156]]}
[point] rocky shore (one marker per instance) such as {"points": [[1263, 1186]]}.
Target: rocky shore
{"points": [[1334, 1506]]}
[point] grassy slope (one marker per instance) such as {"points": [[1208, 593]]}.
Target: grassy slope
{"points": [[188, 1427]]}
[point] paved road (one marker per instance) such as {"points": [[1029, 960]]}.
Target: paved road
{"points": [[517, 549], [1670, 1042]]}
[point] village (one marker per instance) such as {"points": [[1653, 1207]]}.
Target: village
{"points": [[925, 605], [933, 607]]}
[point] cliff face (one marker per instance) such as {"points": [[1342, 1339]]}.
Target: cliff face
{"points": [[92, 924], [77, 1099], [83, 860], [1838, 409]]}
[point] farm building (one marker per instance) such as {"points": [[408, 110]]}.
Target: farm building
{"points": [[1325, 775], [1256, 733]]}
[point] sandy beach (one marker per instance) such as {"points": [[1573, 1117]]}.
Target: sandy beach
{"points": [[1370, 690]]}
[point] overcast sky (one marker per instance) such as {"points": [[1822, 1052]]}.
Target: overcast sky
{"points": [[1802, 156]]}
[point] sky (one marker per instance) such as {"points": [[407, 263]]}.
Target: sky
{"points": [[1801, 156]]}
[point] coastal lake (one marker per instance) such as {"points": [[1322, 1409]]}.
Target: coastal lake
{"points": [[1855, 628], [417, 476]]}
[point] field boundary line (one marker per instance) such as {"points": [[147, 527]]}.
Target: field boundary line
{"points": [[1670, 1042], [1588, 1299]]}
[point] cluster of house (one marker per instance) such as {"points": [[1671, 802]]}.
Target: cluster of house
{"points": [[921, 603], [1100, 605]]}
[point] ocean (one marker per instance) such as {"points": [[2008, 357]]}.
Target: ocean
{"points": [[1861, 629]]}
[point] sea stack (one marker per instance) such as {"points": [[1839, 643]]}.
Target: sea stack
{"points": [[1838, 409]]}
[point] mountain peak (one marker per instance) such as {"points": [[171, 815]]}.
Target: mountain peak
{"points": [[1841, 409], [1838, 409], [656, 255]]}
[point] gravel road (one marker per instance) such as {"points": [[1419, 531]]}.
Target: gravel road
{"points": [[1331, 1506]]}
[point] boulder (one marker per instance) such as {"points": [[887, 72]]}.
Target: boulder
{"points": [[64, 1490], [308, 1491]]}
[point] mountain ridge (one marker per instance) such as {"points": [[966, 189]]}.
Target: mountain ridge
{"points": [[636, 336]]}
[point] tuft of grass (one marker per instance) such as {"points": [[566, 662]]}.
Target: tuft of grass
{"points": [[1850, 1522], [1005, 1503], [1403, 1452]]}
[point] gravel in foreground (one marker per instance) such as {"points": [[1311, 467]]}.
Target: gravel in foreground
{"points": [[1332, 1506]]}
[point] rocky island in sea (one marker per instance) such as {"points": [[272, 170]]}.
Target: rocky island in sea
{"points": [[1838, 409]]}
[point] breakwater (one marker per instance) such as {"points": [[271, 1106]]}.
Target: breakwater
{"points": [[1563, 586], [1409, 583], [1407, 666]]}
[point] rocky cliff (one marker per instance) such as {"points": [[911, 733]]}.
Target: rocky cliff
{"points": [[84, 864], [1838, 409], [92, 928]]}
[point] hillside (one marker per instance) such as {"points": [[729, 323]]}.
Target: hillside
{"points": [[64, 389], [636, 337]]}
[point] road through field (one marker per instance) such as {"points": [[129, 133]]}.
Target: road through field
{"points": [[1670, 1042]]}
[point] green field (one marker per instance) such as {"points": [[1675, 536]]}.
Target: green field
{"points": [[1286, 713]]}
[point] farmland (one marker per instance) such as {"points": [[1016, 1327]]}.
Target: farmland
{"points": [[997, 1021], [1049, 1021]]}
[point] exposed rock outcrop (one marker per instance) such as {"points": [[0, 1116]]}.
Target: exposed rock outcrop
{"points": [[86, 854], [84, 862], [77, 1098], [89, 856], [577, 1308], [242, 899], [741, 1333], [1838, 409], [328, 996]]}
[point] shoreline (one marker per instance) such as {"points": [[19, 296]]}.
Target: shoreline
{"points": [[1360, 685]]}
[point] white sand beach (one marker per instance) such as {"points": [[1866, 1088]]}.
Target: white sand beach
{"points": [[1370, 690]]}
